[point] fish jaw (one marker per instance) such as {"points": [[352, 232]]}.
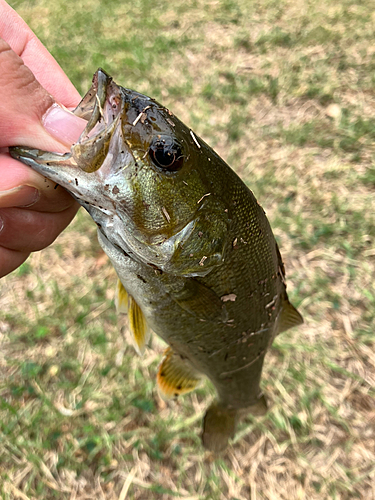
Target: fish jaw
{"points": [[95, 155], [59, 168]]}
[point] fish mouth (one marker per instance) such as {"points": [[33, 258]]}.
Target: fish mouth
{"points": [[101, 107]]}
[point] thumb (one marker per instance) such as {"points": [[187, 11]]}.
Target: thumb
{"points": [[28, 114]]}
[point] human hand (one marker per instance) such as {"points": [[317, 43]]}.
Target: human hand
{"points": [[32, 212]]}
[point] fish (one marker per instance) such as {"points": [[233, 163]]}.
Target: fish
{"points": [[196, 259]]}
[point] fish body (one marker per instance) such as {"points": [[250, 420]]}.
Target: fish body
{"points": [[194, 252]]}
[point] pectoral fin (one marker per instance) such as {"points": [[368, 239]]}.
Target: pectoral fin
{"points": [[202, 244], [201, 301], [176, 376]]}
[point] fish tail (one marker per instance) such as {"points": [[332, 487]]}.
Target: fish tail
{"points": [[219, 424]]}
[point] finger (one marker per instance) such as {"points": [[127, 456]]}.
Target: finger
{"points": [[10, 260], [20, 186], [27, 231], [23, 105], [25, 44]]}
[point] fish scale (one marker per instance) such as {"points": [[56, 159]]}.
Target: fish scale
{"points": [[195, 255]]}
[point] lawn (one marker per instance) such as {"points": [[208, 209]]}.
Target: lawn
{"points": [[284, 91]]}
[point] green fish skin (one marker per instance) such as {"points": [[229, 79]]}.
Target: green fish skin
{"points": [[191, 245]]}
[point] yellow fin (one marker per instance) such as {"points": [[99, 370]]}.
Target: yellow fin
{"points": [[289, 317], [139, 331], [138, 327], [176, 376], [121, 298]]}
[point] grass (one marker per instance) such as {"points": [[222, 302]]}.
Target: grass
{"points": [[284, 92]]}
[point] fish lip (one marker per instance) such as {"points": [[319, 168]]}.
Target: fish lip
{"points": [[40, 160], [100, 83], [78, 183], [100, 107], [103, 105]]}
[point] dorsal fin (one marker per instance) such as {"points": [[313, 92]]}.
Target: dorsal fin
{"points": [[176, 376], [289, 317]]}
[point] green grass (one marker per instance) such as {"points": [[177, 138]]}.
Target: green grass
{"points": [[283, 91]]}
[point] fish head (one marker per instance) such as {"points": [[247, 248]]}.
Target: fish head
{"points": [[144, 177]]}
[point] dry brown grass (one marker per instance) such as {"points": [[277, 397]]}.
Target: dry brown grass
{"points": [[80, 418]]}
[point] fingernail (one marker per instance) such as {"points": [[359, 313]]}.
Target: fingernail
{"points": [[62, 124], [20, 196], [1, 224]]}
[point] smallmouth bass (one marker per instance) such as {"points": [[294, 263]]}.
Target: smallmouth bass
{"points": [[193, 250]]}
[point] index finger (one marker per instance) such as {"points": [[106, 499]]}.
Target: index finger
{"points": [[24, 43]]}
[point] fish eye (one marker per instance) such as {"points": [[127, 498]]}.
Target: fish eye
{"points": [[166, 153]]}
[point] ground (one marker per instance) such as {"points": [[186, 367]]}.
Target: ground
{"points": [[284, 91]]}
